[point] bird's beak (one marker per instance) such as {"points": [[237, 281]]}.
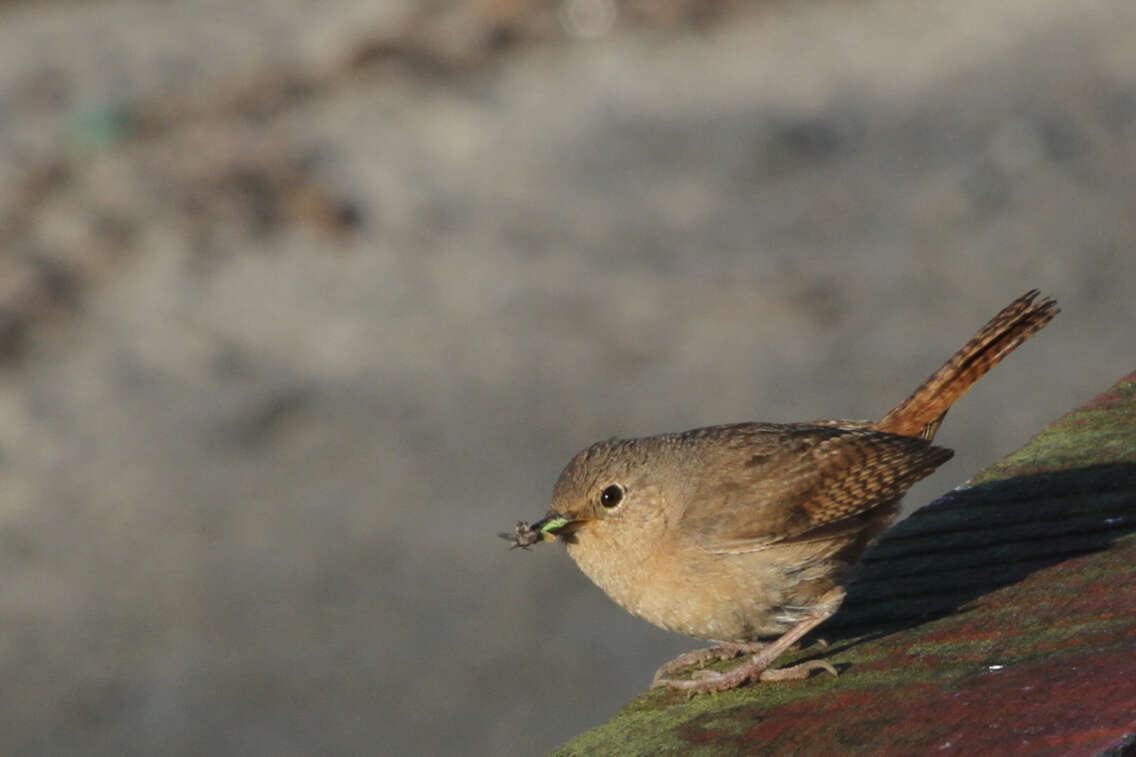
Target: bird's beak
{"points": [[554, 525], [549, 528]]}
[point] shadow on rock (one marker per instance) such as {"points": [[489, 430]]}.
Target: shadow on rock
{"points": [[976, 540]]}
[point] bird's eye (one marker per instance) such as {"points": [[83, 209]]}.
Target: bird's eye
{"points": [[611, 496]]}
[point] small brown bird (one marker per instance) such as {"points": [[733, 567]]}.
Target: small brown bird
{"points": [[749, 531]]}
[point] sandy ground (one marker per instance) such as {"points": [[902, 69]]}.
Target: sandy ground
{"points": [[300, 303]]}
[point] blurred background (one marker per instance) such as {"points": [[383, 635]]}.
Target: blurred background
{"points": [[301, 302]]}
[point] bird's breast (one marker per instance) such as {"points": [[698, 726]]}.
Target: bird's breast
{"points": [[685, 589]]}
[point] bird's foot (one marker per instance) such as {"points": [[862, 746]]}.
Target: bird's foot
{"points": [[755, 668], [700, 657]]}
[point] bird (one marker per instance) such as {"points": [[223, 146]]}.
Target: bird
{"points": [[747, 534]]}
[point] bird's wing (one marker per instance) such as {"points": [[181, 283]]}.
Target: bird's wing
{"points": [[778, 483]]}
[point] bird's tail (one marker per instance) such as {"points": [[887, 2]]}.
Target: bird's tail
{"points": [[922, 412]]}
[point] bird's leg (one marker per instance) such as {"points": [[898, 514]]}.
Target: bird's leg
{"points": [[756, 667], [725, 651]]}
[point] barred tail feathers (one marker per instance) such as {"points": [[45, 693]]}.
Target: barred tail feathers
{"points": [[922, 412]]}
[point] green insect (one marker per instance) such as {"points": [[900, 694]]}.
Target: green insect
{"points": [[525, 535], [552, 525]]}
